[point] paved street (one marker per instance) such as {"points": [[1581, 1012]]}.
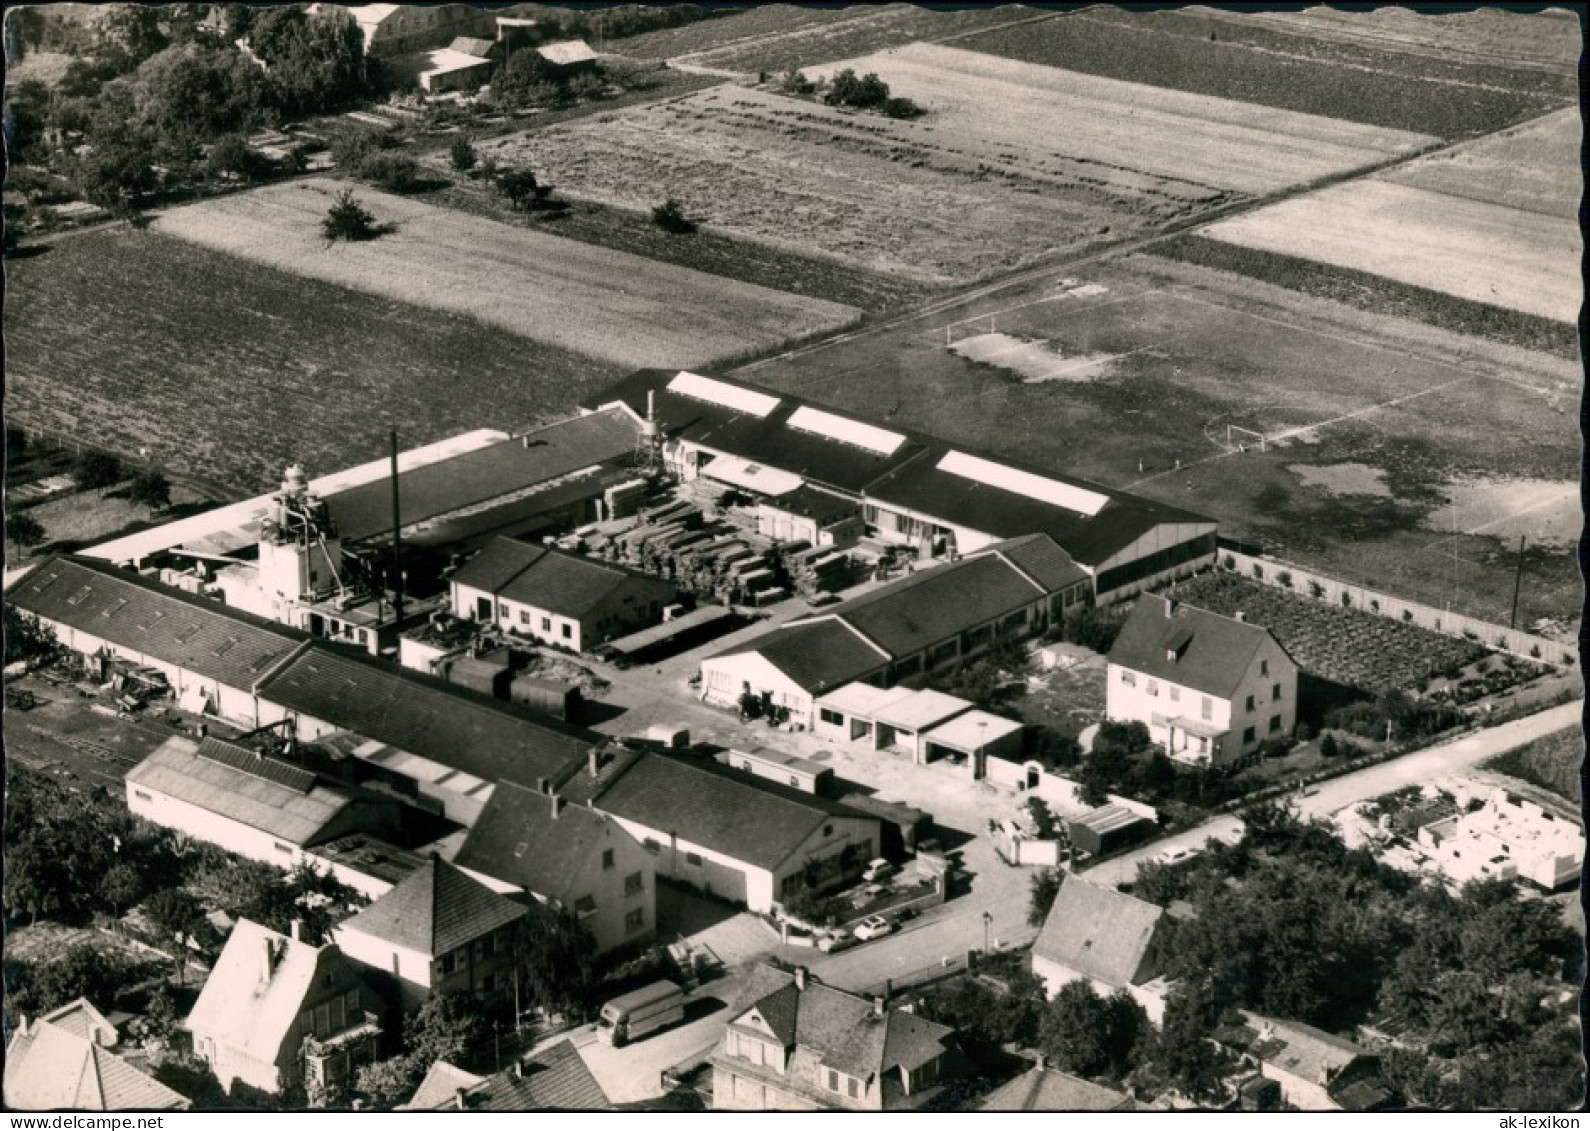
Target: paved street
{"points": [[1413, 769]]}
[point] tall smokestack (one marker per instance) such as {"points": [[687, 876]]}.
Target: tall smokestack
{"points": [[397, 540]]}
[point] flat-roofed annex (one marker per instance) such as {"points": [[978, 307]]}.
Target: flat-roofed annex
{"points": [[722, 393], [1020, 482]]}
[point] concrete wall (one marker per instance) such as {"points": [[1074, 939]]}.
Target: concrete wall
{"points": [[1525, 645]]}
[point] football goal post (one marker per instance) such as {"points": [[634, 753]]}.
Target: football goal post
{"points": [[1241, 439]]}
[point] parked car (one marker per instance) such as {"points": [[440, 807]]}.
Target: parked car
{"points": [[1177, 855], [835, 941], [873, 927], [879, 869]]}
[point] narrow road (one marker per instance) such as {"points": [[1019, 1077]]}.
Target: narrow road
{"points": [[1418, 768]]}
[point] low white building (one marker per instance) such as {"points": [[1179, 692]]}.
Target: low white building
{"points": [[1209, 688], [1507, 838], [256, 806]]}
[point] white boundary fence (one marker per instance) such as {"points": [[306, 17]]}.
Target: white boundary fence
{"points": [[1514, 641]]}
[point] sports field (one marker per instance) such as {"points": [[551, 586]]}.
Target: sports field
{"points": [[1393, 454], [1473, 249], [573, 296]]}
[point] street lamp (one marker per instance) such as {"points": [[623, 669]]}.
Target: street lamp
{"points": [[988, 921]]}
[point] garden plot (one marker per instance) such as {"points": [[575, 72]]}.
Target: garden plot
{"points": [[983, 184], [590, 300], [1471, 249], [1021, 107]]}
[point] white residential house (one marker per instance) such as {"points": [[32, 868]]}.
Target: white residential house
{"points": [[1209, 688], [1106, 938]]}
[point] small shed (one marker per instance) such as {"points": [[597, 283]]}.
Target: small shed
{"points": [[569, 57], [549, 696], [439, 72], [489, 675], [975, 736], [1107, 829], [903, 827], [904, 724], [786, 769]]}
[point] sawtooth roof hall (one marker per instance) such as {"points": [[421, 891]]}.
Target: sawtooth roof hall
{"points": [[914, 489]]}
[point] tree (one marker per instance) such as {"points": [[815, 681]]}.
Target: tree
{"points": [[150, 489], [443, 1029], [315, 62], [524, 192], [27, 638], [670, 217], [121, 886], [387, 1083], [1045, 886], [348, 220], [1089, 1035], [1043, 821], [462, 154], [232, 154], [556, 959], [394, 172], [796, 83], [188, 95], [1180, 1053], [865, 93], [90, 970], [96, 469], [1111, 763], [25, 532], [131, 33], [178, 916]]}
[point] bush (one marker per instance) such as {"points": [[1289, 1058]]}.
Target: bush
{"points": [[1285, 578], [462, 154], [348, 220], [97, 469], [1347, 601], [866, 93], [1229, 562], [1327, 746], [394, 172], [796, 83], [902, 108], [587, 86], [1315, 589], [670, 217]]}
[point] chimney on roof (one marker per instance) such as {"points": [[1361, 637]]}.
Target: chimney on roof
{"points": [[459, 1101], [593, 760], [1170, 607], [1042, 1062], [1240, 616], [518, 1069], [878, 1008], [800, 977], [298, 930], [543, 786], [888, 990], [22, 1025], [266, 961], [557, 806]]}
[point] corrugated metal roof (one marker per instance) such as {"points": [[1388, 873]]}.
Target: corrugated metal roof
{"points": [[252, 762], [472, 478], [426, 716], [193, 633], [296, 816]]}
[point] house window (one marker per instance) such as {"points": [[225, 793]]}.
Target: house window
{"points": [[585, 905], [1264, 667], [568, 633], [1275, 692], [502, 608], [1153, 688], [828, 830], [652, 846], [1208, 709], [489, 983], [693, 858], [1247, 736], [1128, 678], [1275, 723], [634, 921], [322, 1020], [141, 795], [1250, 703], [449, 963], [833, 1080], [284, 849], [634, 884], [486, 946], [833, 718], [607, 859], [850, 1087], [796, 782], [1175, 693], [524, 616]]}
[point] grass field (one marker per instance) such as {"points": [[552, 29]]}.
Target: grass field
{"points": [[1173, 353], [1533, 167], [1243, 60], [1553, 762], [632, 230], [780, 37], [605, 304], [1471, 249], [228, 370], [981, 185]]}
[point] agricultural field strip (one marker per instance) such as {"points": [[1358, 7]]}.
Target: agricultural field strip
{"points": [[1533, 167], [1467, 248], [1423, 34], [1213, 141], [549, 289]]}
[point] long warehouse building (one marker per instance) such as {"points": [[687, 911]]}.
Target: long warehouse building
{"points": [[911, 488]]}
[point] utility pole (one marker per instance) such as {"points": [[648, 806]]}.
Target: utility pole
{"points": [[397, 539], [1518, 580]]}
